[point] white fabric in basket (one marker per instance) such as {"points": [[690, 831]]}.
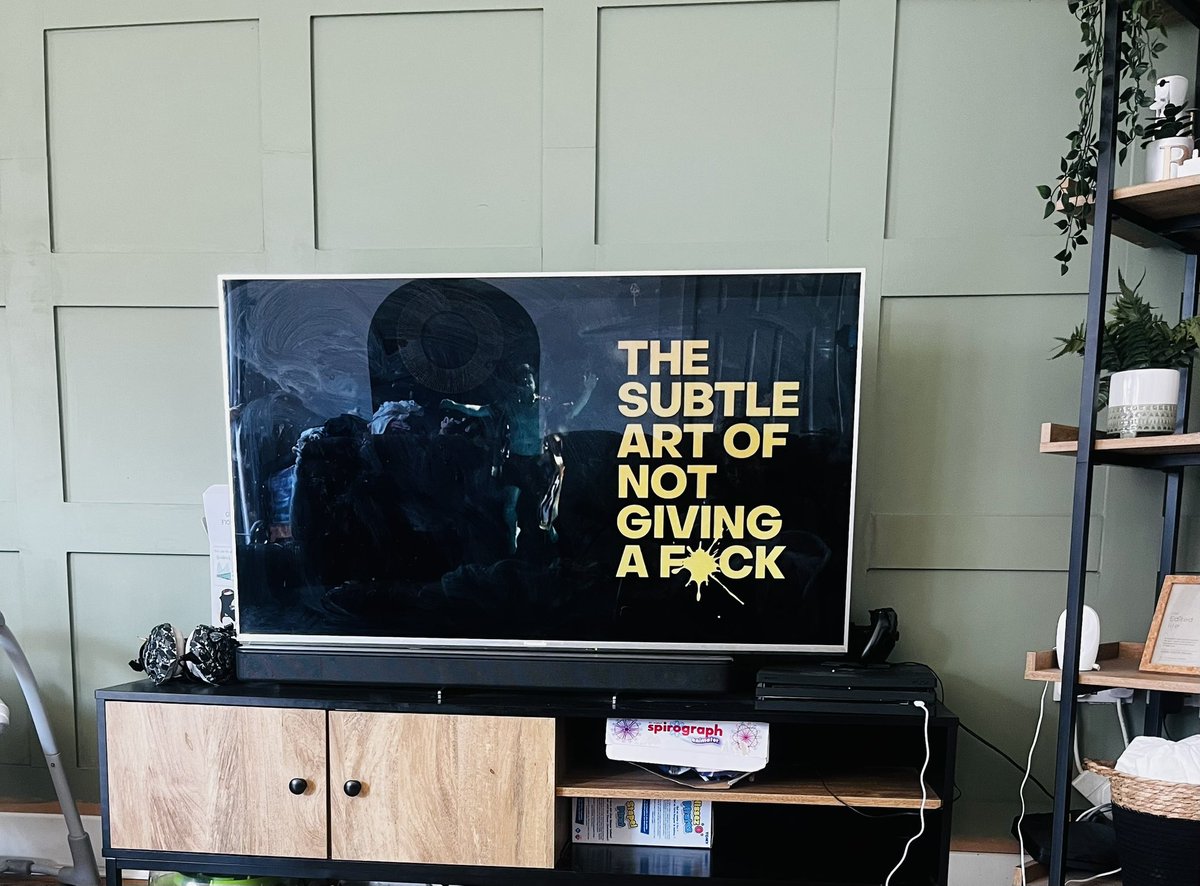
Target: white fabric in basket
{"points": [[1162, 760]]}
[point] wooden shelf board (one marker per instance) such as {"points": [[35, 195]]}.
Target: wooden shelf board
{"points": [[1161, 201], [44, 807], [1059, 439], [1119, 663], [884, 788], [1158, 204]]}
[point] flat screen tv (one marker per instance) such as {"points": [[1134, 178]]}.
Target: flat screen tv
{"points": [[637, 464]]}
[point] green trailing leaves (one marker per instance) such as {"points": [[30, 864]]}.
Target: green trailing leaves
{"points": [[1073, 195]]}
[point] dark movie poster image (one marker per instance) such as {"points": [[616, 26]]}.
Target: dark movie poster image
{"points": [[625, 460]]}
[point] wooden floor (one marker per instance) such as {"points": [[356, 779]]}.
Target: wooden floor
{"points": [[50, 806]]}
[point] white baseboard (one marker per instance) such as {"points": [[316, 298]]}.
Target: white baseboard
{"points": [[43, 835], [982, 868]]}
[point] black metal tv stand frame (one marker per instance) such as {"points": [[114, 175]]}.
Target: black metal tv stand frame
{"points": [[836, 805]]}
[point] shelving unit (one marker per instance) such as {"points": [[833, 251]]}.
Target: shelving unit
{"points": [[1162, 214]]}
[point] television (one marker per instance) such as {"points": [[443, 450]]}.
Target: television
{"points": [[629, 471]]}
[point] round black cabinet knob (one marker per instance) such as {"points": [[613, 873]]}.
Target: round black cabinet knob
{"points": [[352, 788], [298, 786]]}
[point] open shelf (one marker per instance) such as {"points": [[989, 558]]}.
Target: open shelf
{"points": [[1159, 451], [881, 788], [1151, 213], [1119, 663]]}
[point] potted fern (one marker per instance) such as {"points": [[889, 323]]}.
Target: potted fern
{"points": [[1142, 354]]}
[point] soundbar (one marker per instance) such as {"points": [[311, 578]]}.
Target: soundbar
{"points": [[492, 669]]}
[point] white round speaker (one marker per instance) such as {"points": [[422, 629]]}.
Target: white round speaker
{"points": [[1089, 639]]}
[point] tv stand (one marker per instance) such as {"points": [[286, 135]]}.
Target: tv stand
{"points": [[507, 668], [475, 787]]}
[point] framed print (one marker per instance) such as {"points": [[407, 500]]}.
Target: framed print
{"points": [[1173, 645]]}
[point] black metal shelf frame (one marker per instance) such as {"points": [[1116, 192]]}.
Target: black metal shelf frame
{"points": [[1087, 458]]}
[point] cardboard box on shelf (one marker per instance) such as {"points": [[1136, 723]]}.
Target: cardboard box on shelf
{"points": [[708, 746], [642, 822]]}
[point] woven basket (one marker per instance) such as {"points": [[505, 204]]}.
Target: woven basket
{"points": [[1157, 826], [1167, 799]]}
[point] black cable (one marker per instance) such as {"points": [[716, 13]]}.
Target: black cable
{"points": [[975, 735], [859, 811]]}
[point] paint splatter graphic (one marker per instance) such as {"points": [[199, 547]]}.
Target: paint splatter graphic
{"points": [[702, 565]]}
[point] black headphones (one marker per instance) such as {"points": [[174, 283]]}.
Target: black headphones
{"points": [[873, 643]]}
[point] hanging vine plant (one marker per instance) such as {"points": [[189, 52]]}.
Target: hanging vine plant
{"points": [[1072, 196]]}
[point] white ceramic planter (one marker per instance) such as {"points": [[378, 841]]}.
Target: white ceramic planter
{"points": [[1143, 401], [1164, 157]]}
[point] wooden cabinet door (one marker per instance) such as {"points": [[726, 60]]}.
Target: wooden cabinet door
{"points": [[211, 778], [439, 789]]}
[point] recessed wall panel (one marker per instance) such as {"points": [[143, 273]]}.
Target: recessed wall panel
{"points": [[427, 129], [982, 98], [154, 138], [958, 379], [6, 425], [115, 600], [715, 122], [142, 409], [14, 741]]}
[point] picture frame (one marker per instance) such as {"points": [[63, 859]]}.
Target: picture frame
{"points": [[1173, 644]]}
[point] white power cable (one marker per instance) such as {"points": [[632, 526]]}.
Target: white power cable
{"points": [[1096, 877], [1028, 769], [1121, 720], [924, 796], [1091, 813]]}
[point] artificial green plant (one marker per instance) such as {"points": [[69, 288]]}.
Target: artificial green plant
{"points": [[1071, 197], [1135, 337]]}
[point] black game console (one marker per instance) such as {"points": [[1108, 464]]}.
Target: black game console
{"points": [[836, 686]]}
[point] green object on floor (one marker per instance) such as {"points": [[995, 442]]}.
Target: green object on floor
{"points": [[181, 879]]}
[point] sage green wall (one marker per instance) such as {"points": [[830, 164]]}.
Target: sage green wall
{"points": [[146, 148]]}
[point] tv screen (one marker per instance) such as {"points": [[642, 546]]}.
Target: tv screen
{"points": [[634, 461]]}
